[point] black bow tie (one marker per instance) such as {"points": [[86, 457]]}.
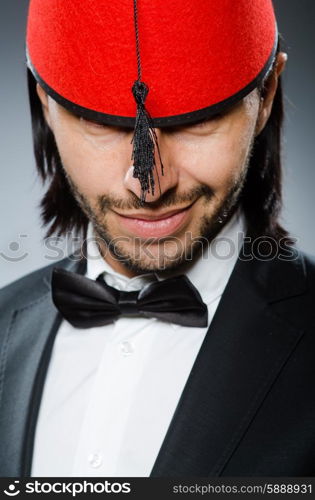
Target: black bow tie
{"points": [[86, 303]]}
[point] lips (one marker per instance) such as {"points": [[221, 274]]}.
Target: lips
{"points": [[154, 226]]}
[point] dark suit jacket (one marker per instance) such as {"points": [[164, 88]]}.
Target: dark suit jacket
{"points": [[248, 407]]}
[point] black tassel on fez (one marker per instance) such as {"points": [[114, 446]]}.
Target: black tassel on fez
{"points": [[144, 139]]}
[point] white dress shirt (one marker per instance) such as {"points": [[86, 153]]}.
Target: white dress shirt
{"points": [[111, 392]]}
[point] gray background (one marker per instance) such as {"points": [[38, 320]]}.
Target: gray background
{"points": [[22, 247]]}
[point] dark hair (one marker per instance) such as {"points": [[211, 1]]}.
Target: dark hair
{"points": [[261, 198], [59, 209], [262, 192]]}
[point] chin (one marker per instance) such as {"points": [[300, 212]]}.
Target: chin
{"points": [[155, 259]]}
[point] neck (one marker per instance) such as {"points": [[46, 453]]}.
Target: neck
{"points": [[114, 262]]}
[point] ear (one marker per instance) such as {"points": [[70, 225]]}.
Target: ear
{"points": [[270, 89], [43, 97]]}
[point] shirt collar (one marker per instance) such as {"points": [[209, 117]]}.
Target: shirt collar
{"points": [[209, 273]]}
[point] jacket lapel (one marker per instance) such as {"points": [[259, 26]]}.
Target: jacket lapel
{"points": [[243, 352], [29, 333]]}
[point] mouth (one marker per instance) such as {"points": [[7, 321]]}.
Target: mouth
{"points": [[155, 225]]}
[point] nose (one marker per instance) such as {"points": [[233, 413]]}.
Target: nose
{"points": [[164, 178]]}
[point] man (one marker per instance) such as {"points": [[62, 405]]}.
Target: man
{"points": [[180, 342]]}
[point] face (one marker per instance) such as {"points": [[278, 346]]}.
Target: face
{"points": [[205, 167]]}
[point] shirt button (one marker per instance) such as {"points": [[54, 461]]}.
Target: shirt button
{"points": [[126, 348], [95, 460]]}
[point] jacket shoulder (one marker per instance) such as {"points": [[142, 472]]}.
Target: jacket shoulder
{"points": [[309, 262], [309, 265], [31, 287], [297, 280]]}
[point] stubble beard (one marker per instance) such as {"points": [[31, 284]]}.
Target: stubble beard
{"points": [[140, 259]]}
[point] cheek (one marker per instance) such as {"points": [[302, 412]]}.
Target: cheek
{"points": [[215, 161], [93, 171]]}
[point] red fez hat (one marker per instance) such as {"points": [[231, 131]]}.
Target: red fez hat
{"points": [[184, 60], [197, 56]]}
